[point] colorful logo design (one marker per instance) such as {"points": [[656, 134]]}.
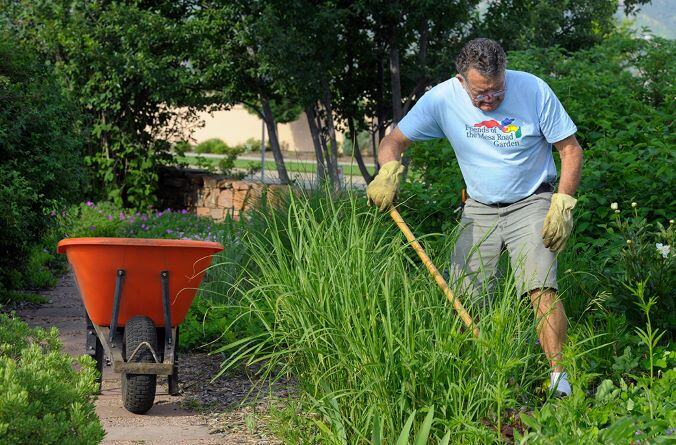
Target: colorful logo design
{"points": [[505, 126]]}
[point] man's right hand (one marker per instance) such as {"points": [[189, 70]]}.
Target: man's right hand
{"points": [[382, 190]]}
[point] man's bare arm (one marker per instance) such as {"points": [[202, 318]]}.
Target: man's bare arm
{"points": [[571, 164], [392, 147]]}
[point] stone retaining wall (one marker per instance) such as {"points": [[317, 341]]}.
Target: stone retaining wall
{"points": [[208, 194]]}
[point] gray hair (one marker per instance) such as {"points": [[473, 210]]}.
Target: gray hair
{"points": [[484, 55]]}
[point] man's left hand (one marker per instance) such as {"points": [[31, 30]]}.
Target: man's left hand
{"points": [[558, 222]]}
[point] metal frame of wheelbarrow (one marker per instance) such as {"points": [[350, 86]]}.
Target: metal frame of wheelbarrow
{"points": [[112, 341]]}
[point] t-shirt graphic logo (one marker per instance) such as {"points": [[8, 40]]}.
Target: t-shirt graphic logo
{"points": [[506, 126]]}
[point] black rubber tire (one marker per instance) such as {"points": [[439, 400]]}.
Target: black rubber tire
{"points": [[138, 390]]}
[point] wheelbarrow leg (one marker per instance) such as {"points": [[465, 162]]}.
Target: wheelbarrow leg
{"points": [[169, 342], [173, 378], [116, 304], [94, 348]]}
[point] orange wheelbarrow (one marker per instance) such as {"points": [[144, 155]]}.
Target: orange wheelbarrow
{"points": [[136, 293]]}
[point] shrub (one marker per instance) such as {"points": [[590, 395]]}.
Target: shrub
{"points": [[364, 140], [215, 145], [42, 398], [227, 164], [181, 147], [40, 150]]}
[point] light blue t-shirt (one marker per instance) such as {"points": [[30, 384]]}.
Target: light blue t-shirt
{"points": [[505, 154]]}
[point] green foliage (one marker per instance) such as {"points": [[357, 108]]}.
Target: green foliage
{"points": [[42, 398], [124, 64], [214, 145], [374, 340], [106, 219], [641, 410], [521, 24], [616, 94], [40, 149], [363, 140], [181, 147]]}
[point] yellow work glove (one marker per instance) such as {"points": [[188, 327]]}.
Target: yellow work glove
{"points": [[383, 188], [558, 222]]}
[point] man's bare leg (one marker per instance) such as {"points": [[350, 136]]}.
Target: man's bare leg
{"points": [[552, 331]]}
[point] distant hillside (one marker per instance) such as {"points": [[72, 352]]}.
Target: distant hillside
{"points": [[659, 16]]}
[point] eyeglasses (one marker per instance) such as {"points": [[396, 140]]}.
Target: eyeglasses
{"points": [[489, 96]]}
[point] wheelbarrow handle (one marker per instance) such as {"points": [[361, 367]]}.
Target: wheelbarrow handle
{"points": [[457, 305]]}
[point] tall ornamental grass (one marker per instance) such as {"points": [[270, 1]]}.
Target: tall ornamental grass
{"points": [[349, 311]]}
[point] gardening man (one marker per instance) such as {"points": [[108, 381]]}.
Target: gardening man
{"points": [[501, 124]]}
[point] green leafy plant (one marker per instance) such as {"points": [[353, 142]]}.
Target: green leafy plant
{"points": [[214, 145], [227, 164], [39, 140], [43, 399]]}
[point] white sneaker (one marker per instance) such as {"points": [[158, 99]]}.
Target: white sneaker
{"points": [[559, 384]]}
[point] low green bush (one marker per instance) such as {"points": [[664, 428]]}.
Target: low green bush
{"points": [[181, 147], [227, 164], [43, 399], [215, 145]]}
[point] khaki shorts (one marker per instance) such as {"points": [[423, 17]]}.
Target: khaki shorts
{"points": [[486, 230]]}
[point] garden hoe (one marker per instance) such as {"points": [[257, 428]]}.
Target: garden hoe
{"points": [[460, 309]]}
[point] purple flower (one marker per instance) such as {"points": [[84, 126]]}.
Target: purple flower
{"points": [[143, 226], [92, 227], [89, 204], [170, 231], [638, 433], [184, 211], [53, 213], [110, 217], [670, 431], [121, 216], [144, 218]]}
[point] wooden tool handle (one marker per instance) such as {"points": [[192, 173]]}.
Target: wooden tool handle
{"points": [[457, 305]]}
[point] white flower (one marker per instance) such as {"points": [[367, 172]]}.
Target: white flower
{"points": [[671, 221], [613, 206], [629, 242], [663, 250], [633, 204], [617, 211]]}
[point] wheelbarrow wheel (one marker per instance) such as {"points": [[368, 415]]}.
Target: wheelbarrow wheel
{"points": [[138, 390]]}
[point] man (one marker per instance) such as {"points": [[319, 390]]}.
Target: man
{"points": [[501, 124]]}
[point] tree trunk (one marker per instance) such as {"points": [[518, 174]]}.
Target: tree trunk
{"points": [[274, 141], [321, 127], [380, 106], [314, 131], [333, 154], [357, 152], [395, 81]]}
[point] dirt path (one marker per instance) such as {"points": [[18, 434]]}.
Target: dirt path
{"points": [[204, 412]]}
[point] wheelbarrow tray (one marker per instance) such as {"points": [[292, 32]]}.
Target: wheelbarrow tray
{"points": [[97, 263]]}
